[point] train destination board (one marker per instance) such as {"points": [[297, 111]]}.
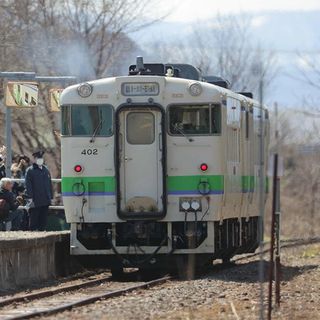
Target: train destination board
{"points": [[140, 89]]}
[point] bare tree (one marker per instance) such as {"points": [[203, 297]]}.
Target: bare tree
{"points": [[309, 69], [63, 37], [224, 47]]}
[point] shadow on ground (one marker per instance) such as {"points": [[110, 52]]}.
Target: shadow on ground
{"points": [[249, 272]]}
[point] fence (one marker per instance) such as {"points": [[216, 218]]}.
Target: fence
{"points": [[50, 207]]}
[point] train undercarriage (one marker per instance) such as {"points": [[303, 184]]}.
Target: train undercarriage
{"points": [[173, 249]]}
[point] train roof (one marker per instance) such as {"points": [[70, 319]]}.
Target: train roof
{"points": [[165, 73]]}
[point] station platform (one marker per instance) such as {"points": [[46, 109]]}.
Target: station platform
{"points": [[31, 257]]}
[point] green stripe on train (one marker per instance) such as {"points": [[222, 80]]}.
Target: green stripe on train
{"points": [[174, 183], [183, 183], [93, 184]]}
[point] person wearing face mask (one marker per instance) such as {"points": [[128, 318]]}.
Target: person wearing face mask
{"points": [[39, 191]]}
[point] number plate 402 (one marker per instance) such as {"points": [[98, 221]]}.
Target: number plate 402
{"points": [[90, 152]]}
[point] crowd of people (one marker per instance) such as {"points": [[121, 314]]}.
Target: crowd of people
{"points": [[24, 204]]}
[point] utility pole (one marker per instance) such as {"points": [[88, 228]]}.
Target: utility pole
{"points": [[8, 141], [275, 265], [23, 76], [277, 212], [258, 72]]}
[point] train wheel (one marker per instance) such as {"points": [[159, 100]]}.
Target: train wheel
{"points": [[150, 273], [117, 271], [227, 260], [186, 266]]}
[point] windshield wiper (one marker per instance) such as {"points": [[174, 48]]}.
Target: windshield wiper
{"points": [[176, 128], [96, 130]]}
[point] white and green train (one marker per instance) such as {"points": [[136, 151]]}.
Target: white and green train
{"points": [[159, 165]]}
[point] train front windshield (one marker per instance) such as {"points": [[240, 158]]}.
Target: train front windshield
{"points": [[195, 120], [79, 120]]}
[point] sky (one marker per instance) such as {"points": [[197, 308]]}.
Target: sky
{"points": [[283, 27], [192, 10]]}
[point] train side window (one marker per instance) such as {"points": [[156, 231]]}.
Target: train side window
{"points": [[216, 119], [140, 128], [65, 121], [247, 124]]}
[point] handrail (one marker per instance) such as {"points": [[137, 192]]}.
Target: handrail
{"points": [[50, 207], [56, 180]]}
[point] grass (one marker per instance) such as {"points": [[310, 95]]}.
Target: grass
{"points": [[311, 252]]}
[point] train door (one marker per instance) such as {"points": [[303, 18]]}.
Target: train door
{"points": [[251, 155], [141, 177], [233, 182], [247, 155]]}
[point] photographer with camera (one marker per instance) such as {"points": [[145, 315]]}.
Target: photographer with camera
{"points": [[19, 166]]}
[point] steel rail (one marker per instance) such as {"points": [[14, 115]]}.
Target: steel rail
{"points": [[43, 294], [51, 292], [89, 300], [289, 243]]}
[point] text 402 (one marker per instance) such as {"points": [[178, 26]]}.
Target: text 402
{"points": [[90, 152]]}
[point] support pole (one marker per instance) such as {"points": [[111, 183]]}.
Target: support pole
{"points": [[277, 217], [277, 255], [8, 142], [274, 201], [261, 196]]}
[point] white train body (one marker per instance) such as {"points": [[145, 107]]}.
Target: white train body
{"points": [[157, 165]]}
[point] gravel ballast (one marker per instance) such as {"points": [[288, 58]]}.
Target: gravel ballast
{"points": [[231, 293]]}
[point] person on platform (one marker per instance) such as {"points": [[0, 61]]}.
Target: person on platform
{"points": [[13, 215], [2, 167], [39, 191], [19, 166]]}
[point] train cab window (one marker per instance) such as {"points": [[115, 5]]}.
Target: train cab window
{"points": [[140, 128], [216, 119], [195, 120], [65, 121], [80, 120]]}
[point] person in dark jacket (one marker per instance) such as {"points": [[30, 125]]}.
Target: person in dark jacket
{"points": [[12, 203], [39, 191], [2, 168]]}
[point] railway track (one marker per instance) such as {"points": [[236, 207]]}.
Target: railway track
{"points": [[63, 298], [57, 300], [288, 243]]}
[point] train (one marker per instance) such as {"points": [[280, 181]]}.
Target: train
{"points": [[162, 165]]}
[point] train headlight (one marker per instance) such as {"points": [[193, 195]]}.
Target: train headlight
{"points": [[185, 205], [195, 205], [85, 90], [195, 89]]}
